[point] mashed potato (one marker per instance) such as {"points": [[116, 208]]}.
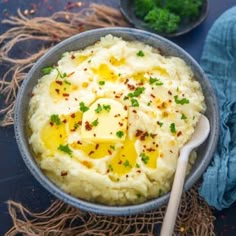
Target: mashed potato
{"points": [[107, 122]]}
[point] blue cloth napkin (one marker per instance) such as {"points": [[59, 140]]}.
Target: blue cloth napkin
{"points": [[219, 63]]}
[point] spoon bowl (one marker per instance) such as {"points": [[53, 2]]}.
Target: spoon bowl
{"points": [[199, 136]]}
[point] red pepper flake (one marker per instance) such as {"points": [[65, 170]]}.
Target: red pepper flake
{"points": [[72, 115], [151, 150], [170, 101], [138, 171], [80, 122], [179, 133], [32, 94], [127, 176], [120, 123], [117, 96], [126, 108], [131, 87], [76, 99], [64, 121], [88, 126], [59, 82], [120, 162], [117, 115], [143, 136], [138, 133], [126, 81], [64, 173], [85, 69], [134, 111], [51, 123], [152, 95], [60, 136], [169, 92], [78, 142], [57, 91], [171, 151], [90, 153], [109, 151], [97, 146], [65, 94], [153, 135], [72, 57]]}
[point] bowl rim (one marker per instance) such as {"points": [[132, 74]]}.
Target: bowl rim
{"points": [[134, 21], [83, 204]]}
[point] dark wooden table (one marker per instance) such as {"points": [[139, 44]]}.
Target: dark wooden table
{"points": [[17, 183]]}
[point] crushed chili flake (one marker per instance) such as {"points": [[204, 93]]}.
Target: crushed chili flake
{"points": [[109, 151], [80, 123], [120, 162], [170, 101], [169, 92], [179, 133], [72, 57], [59, 82], [143, 136], [117, 115], [97, 145], [90, 153], [64, 121], [70, 74], [131, 87], [72, 115], [127, 176], [152, 95], [117, 96], [171, 151], [88, 126], [138, 133], [138, 171], [65, 94], [126, 108], [57, 91], [51, 123], [126, 81], [120, 123], [64, 173], [85, 69], [134, 111], [151, 149], [78, 142], [60, 136]]}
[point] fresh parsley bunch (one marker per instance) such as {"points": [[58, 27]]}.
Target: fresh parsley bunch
{"points": [[165, 16]]}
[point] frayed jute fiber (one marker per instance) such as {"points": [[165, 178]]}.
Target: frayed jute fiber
{"points": [[195, 217]]}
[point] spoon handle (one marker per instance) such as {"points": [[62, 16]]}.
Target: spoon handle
{"points": [[175, 195]]}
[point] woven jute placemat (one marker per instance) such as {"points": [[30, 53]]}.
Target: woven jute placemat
{"points": [[195, 217]]}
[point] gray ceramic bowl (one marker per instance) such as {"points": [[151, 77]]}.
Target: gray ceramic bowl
{"points": [[81, 41]]}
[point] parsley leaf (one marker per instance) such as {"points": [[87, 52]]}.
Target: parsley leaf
{"points": [[172, 128], [119, 134], [101, 82], [144, 158], [95, 122], [183, 117], [112, 147], [82, 107], [127, 164], [134, 102], [138, 91], [47, 70], [65, 148], [160, 123], [156, 81], [55, 119], [60, 74], [110, 167], [181, 101], [140, 54], [98, 109], [106, 107]]}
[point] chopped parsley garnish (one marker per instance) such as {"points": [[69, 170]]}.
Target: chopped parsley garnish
{"points": [[127, 164], [82, 107], [106, 107], [65, 148], [67, 82], [183, 117], [172, 128], [119, 74], [101, 82], [98, 109], [89, 61], [134, 102], [138, 91], [76, 125], [95, 122], [144, 158], [47, 70], [138, 195], [181, 101], [137, 165], [119, 134], [55, 119], [149, 103], [155, 81], [110, 167], [112, 147], [60, 74], [160, 123], [140, 54]]}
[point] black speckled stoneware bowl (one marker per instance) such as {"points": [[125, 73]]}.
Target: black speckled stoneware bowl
{"points": [[81, 41], [127, 9]]}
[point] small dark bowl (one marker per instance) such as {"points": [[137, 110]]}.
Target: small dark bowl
{"points": [[127, 9], [80, 41]]}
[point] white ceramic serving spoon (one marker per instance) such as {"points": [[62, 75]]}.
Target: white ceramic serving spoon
{"points": [[200, 134]]}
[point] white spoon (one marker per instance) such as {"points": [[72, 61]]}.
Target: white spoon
{"points": [[200, 134]]}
